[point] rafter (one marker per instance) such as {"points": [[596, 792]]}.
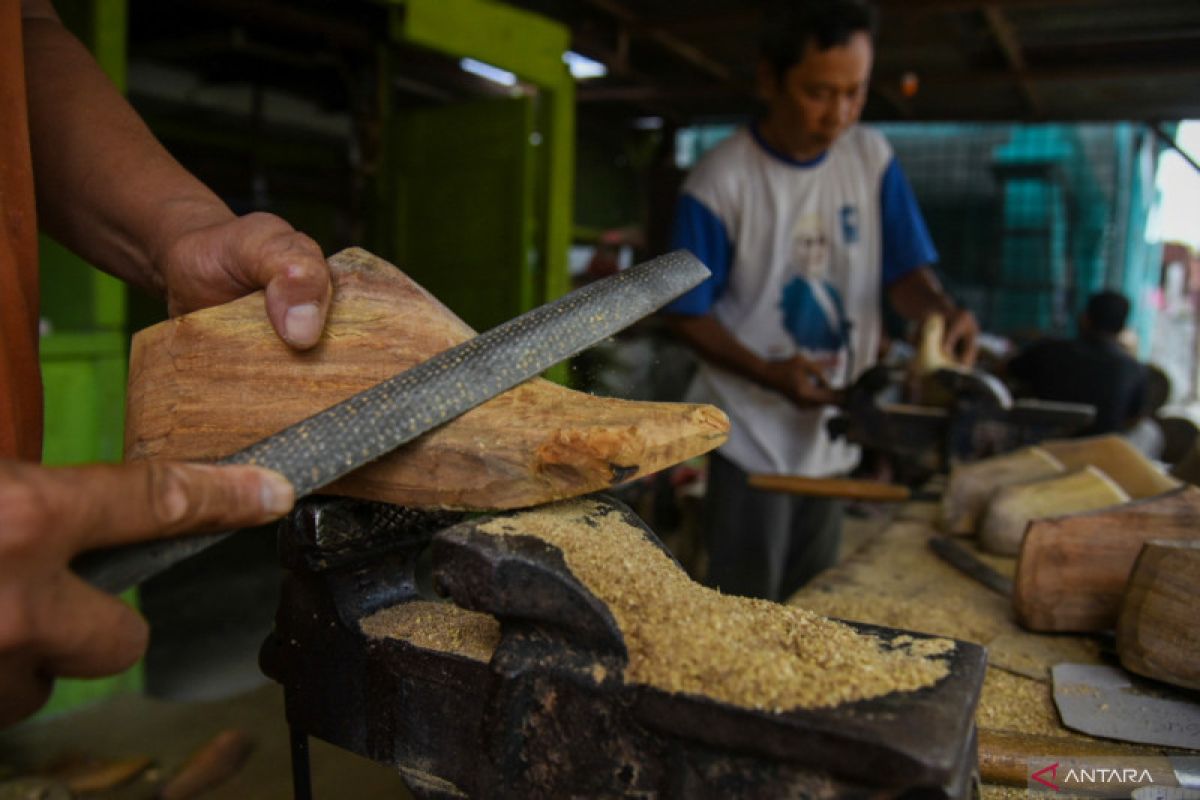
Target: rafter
{"points": [[1006, 37]]}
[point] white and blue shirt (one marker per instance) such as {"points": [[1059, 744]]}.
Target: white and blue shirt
{"points": [[800, 254]]}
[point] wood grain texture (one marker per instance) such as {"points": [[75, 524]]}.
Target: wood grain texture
{"points": [[1012, 508], [1115, 457], [1158, 634], [1072, 570], [844, 488], [206, 384]]}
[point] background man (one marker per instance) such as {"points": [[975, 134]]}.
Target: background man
{"points": [[806, 221], [1092, 368]]}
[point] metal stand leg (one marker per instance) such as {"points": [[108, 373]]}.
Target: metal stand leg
{"points": [[301, 773]]}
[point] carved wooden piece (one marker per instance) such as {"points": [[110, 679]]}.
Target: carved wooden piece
{"points": [[1158, 634], [1072, 571], [206, 384], [1012, 508], [1115, 457]]}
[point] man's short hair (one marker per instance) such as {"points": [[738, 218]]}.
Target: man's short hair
{"points": [[789, 25], [1107, 311]]}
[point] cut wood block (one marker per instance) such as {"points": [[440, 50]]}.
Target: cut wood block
{"points": [[1013, 507], [207, 384], [1115, 457], [972, 485], [1072, 570], [1158, 633]]}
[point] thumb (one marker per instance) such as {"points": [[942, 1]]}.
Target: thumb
{"points": [[105, 506]]}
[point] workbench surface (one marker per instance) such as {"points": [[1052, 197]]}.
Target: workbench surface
{"points": [[895, 579]]}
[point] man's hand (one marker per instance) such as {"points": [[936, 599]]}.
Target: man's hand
{"points": [[223, 261], [54, 624], [961, 338], [801, 381]]}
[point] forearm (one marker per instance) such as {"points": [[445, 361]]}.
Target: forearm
{"points": [[716, 345], [919, 294], [106, 188]]}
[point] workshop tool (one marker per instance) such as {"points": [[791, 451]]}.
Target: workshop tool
{"points": [[1100, 700], [1072, 570], [1158, 631], [1011, 508], [843, 488], [544, 711], [982, 418], [1005, 757], [956, 554], [318, 450]]}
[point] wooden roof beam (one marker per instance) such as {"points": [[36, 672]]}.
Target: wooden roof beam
{"points": [[668, 41], [1006, 37]]}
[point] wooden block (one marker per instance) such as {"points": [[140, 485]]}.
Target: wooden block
{"points": [[1013, 507], [207, 384], [972, 485], [1115, 457], [1158, 633], [1072, 570]]}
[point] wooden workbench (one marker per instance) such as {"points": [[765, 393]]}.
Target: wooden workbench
{"points": [[894, 579]]}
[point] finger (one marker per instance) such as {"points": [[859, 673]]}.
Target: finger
{"points": [[960, 340], [103, 506], [85, 633], [23, 689], [296, 277]]}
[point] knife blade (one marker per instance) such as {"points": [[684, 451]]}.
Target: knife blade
{"points": [[958, 556], [322, 448]]}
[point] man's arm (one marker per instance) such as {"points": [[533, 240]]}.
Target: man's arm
{"points": [[918, 294], [796, 378], [109, 191]]}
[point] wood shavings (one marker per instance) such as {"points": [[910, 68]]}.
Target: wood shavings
{"points": [[1013, 703], [437, 626], [684, 637]]}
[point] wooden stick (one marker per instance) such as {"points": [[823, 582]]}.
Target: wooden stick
{"points": [[212, 764], [1005, 756], [832, 487]]}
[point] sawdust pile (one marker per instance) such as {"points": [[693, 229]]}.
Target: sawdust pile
{"points": [[684, 637], [1013, 703], [437, 626]]}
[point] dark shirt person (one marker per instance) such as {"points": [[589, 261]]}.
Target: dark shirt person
{"points": [[1092, 368]]}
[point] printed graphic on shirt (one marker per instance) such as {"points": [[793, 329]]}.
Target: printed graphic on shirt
{"points": [[849, 219], [813, 312]]}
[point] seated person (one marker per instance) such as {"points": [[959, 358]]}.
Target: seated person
{"points": [[1092, 368]]}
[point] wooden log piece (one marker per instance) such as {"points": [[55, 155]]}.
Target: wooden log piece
{"points": [[1115, 457], [1072, 570], [206, 384], [972, 485], [1158, 632], [1011, 508]]}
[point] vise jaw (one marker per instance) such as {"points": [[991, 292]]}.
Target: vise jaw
{"points": [[542, 709]]}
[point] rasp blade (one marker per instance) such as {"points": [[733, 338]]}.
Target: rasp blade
{"points": [[317, 451]]}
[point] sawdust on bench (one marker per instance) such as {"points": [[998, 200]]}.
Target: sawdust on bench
{"points": [[684, 637], [437, 626]]}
